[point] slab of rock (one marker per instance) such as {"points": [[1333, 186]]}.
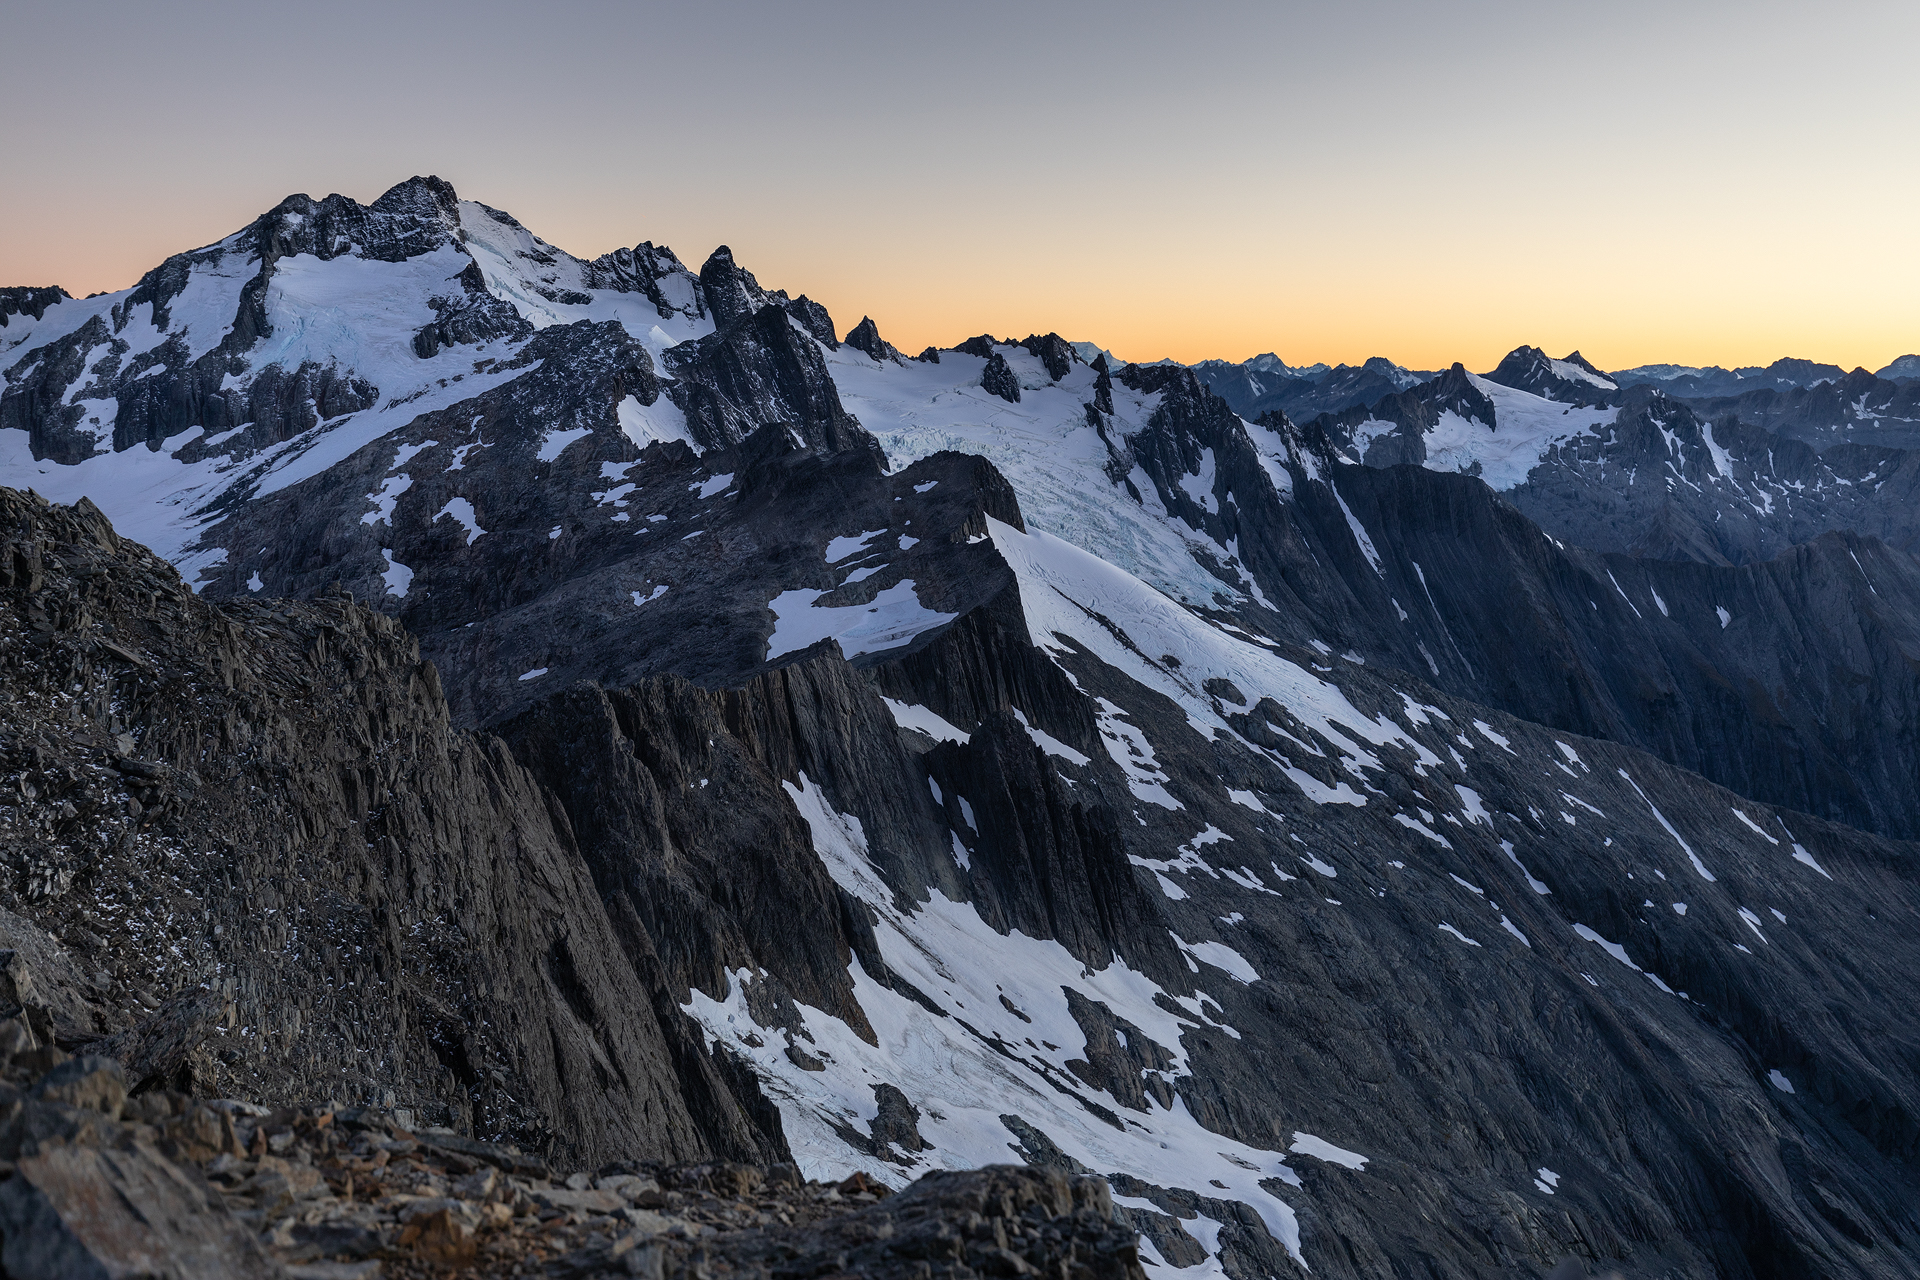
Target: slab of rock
{"points": [[94, 1083], [998, 379], [76, 1213], [582, 1201]]}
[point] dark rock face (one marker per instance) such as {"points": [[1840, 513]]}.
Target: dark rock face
{"points": [[629, 766], [998, 379], [731, 293], [813, 317], [1149, 378], [1054, 352], [16, 300], [310, 853], [1796, 697], [1056, 867], [981, 346], [756, 370], [865, 336]]}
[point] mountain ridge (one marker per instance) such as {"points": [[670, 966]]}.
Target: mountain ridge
{"points": [[1122, 785]]}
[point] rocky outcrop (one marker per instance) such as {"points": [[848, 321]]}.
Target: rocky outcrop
{"points": [[731, 293], [1054, 352], [466, 319], [646, 268], [865, 336], [170, 1186], [756, 370], [997, 379], [813, 317], [17, 300], [87, 1195], [275, 856]]}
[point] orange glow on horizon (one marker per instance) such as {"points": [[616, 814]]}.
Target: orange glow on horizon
{"points": [[1433, 313], [1423, 315]]}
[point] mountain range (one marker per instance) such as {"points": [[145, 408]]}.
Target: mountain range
{"points": [[1383, 822]]}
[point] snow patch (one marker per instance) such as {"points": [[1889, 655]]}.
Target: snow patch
{"points": [[1048, 743], [661, 422], [462, 510], [397, 576], [966, 1070], [910, 716], [1698, 866], [1320, 1149], [840, 548], [891, 619]]}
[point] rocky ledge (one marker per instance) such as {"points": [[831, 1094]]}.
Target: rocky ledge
{"points": [[97, 1183]]}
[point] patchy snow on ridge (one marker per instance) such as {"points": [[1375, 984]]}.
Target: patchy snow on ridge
{"points": [[925, 720], [963, 1071], [550, 286], [1526, 427], [1046, 450], [1062, 588], [1571, 372]]}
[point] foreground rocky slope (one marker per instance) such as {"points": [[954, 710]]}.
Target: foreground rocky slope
{"points": [[274, 870], [162, 1184]]}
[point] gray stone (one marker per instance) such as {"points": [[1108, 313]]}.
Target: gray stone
{"points": [[75, 1213]]}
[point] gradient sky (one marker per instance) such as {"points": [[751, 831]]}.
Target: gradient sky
{"points": [[1690, 182]]}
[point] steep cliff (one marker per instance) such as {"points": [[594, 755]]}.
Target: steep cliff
{"points": [[259, 861]]}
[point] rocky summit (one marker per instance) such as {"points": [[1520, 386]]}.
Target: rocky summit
{"points": [[520, 765]]}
